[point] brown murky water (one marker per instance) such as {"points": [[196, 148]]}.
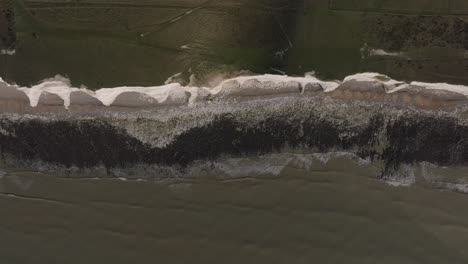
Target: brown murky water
{"points": [[338, 215]]}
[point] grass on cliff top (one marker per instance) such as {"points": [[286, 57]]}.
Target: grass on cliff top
{"points": [[106, 46]]}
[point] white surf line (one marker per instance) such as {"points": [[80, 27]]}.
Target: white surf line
{"points": [[443, 86]]}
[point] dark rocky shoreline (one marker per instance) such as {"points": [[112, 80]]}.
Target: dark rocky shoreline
{"points": [[393, 135]]}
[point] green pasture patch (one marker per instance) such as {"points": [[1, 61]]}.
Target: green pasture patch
{"points": [[400, 6]]}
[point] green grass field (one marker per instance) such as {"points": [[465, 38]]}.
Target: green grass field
{"points": [[396, 6], [330, 36], [104, 43]]}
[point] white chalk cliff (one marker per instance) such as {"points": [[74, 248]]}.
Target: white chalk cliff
{"points": [[57, 93]]}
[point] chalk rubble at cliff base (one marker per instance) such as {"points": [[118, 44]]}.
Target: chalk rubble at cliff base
{"points": [[57, 94]]}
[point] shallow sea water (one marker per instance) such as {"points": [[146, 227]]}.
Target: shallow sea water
{"points": [[325, 214]]}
